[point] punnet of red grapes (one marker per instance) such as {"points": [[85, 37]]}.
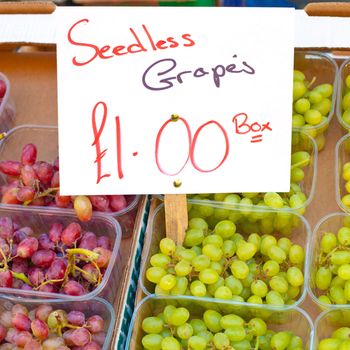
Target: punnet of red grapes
{"points": [[65, 259], [32, 182], [48, 328]]}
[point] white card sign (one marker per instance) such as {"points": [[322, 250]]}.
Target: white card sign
{"points": [[174, 100]]}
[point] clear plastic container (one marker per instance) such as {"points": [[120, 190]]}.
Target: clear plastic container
{"points": [[300, 234], [91, 307], [300, 142], [329, 321], [40, 221], [295, 319], [330, 223], [46, 140], [344, 71], [7, 111], [342, 156], [324, 69]]}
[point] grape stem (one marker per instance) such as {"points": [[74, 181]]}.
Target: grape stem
{"points": [[257, 344], [5, 259], [22, 277]]}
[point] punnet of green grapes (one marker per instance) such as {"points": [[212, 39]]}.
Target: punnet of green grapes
{"points": [[176, 329], [223, 264], [339, 340], [331, 278]]}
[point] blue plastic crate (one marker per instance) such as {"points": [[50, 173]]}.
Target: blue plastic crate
{"points": [[270, 3]]}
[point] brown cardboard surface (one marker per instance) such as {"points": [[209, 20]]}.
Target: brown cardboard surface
{"points": [[334, 9]]}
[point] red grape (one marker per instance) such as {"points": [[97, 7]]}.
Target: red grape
{"points": [[71, 234], [38, 202], [117, 202], [55, 232], [99, 338], [92, 346], [74, 288], [104, 256], [88, 241], [53, 343], [44, 172], [27, 230], [3, 332], [22, 338], [33, 345], [45, 242], [21, 321], [19, 236], [80, 337], [57, 269], [76, 318], [28, 156], [28, 175], [56, 164], [55, 181], [19, 308], [100, 203], [3, 88], [20, 265], [10, 196], [67, 336], [40, 329], [83, 208], [27, 247], [62, 201], [36, 276], [43, 258], [95, 324], [25, 194], [26, 287], [104, 242], [6, 319], [43, 311], [5, 279], [92, 275], [10, 167], [6, 227], [48, 288], [11, 335], [17, 284]]}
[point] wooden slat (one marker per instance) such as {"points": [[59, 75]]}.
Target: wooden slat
{"points": [[27, 7], [333, 9]]}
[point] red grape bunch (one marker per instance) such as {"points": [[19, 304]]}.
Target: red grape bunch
{"points": [[64, 260]]}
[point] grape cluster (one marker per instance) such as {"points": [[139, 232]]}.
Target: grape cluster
{"points": [[32, 182], [293, 199], [346, 101], [332, 278], [175, 329], [44, 328], [222, 264], [64, 260], [310, 107], [346, 176], [340, 340]]}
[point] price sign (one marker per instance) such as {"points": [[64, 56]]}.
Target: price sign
{"points": [[174, 100]]}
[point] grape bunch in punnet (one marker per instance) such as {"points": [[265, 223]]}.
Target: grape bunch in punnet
{"points": [[223, 264], [294, 199], [340, 340], [33, 182], [176, 329], [46, 328], [65, 259]]}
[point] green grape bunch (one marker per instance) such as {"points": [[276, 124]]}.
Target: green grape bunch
{"points": [[175, 329], [222, 264]]}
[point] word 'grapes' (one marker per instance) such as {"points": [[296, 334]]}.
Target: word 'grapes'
{"points": [[310, 107], [32, 182], [340, 340], [346, 101], [175, 329], [332, 277], [64, 260], [223, 265], [44, 328]]}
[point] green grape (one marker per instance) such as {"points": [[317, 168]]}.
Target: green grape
{"points": [[212, 319], [213, 287], [344, 236], [280, 340], [198, 289], [329, 344], [347, 290], [337, 281], [160, 291], [297, 175], [340, 257], [298, 75], [325, 89], [259, 288], [241, 345], [300, 158], [170, 343], [266, 243], [302, 105], [254, 299], [273, 200], [166, 333], [217, 266], [193, 236], [239, 269], [299, 89], [277, 254], [274, 298], [345, 345], [167, 312], [167, 246], [248, 280], [198, 223], [346, 171], [336, 294], [236, 333], [271, 268], [155, 274], [346, 116], [197, 343], [208, 276], [221, 341], [223, 293], [200, 262], [160, 260], [344, 272], [234, 284], [212, 252], [152, 342], [323, 278], [184, 331], [324, 299], [297, 121], [246, 293], [198, 325], [313, 116], [180, 286], [257, 326], [295, 343], [197, 250], [152, 325], [295, 276], [185, 254], [285, 244], [221, 213], [323, 107], [230, 321], [255, 239], [229, 248], [179, 317], [346, 200], [279, 284], [342, 333], [167, 282], [213, 239], [225, 229], [183, 268], [328, 242], [293, 292], [245, 250], [296, 254], [315, 97], [208, 336]]}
